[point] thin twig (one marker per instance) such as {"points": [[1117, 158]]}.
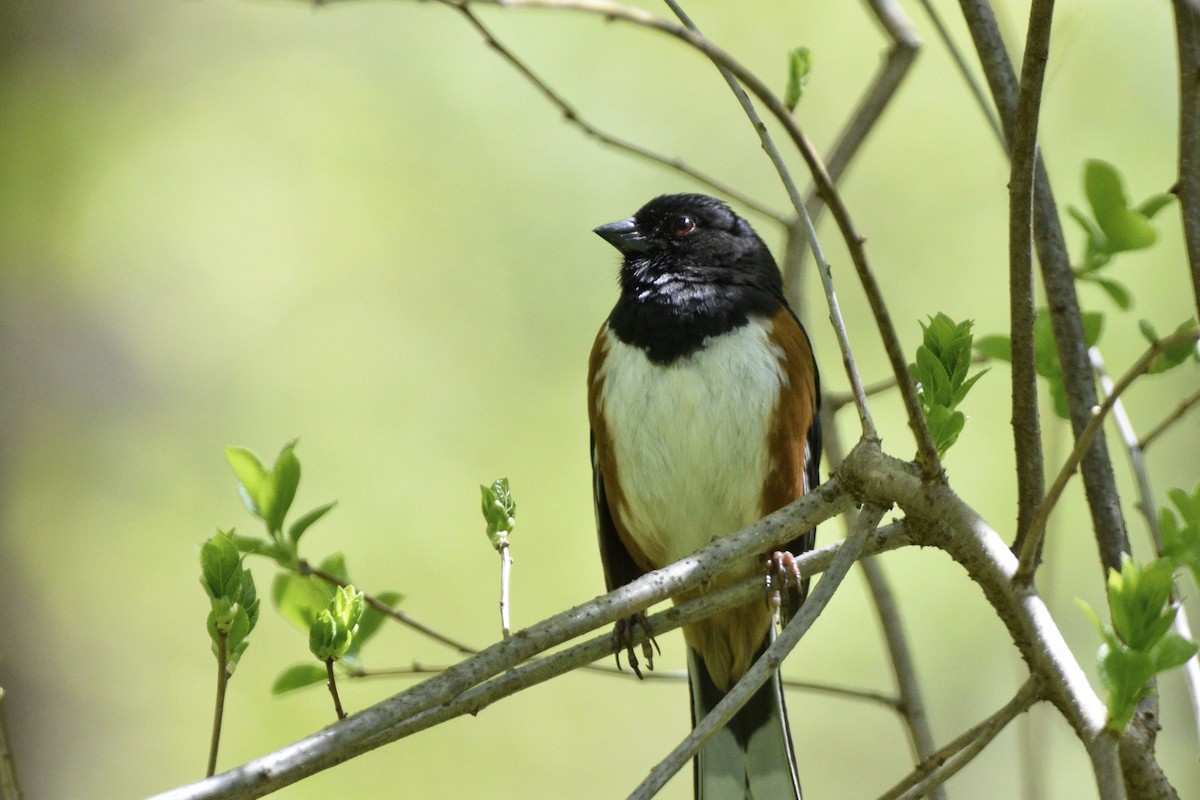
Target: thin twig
{"points": [[767, 664], [331, 683], [9, 789], [912, 704], [871, 105], [1187, 405], [1037, 528], [505, 574], [986, 108], [726, 66], [1187, 38], [1104, 502], [214, 741], [418, 670], [305, 568], [571, 114], [939, 767], [1027, 432]]}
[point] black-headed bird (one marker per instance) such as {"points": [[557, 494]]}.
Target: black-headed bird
{"points": [[703, 396]]}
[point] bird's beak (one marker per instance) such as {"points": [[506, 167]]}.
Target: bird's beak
{"points": [[625, 236]]}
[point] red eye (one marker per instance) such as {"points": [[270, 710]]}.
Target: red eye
{"points": [[682, 225]]}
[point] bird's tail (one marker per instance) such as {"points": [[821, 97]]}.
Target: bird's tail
{"points": [[752, 756]]}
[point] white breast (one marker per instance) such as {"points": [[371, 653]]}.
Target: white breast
{"points": [[689, 437]]}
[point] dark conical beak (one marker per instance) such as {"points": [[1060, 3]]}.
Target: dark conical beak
{"points": [[625, 236]]}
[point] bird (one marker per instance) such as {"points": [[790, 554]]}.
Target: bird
{"points": [[703, 398]]}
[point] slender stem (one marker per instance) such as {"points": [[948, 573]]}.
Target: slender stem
{"points": [[571, 115], [1187, 405], [1104, 502], [960, 62], [1027, 433], [304, 568], [724, 65], [768, 663], [219, 709], [505, 572], [938, 767], [1032, 544], [331, 682], [9, 789], [871, 105], [912, 704], [1187, 37]]}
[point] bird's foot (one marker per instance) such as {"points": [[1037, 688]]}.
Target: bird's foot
{"points": [[624, 634], [781, 570]]}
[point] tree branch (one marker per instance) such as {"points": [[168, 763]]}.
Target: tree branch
{"points": [[1032, 544], [1065, 317], [1187, 38], [1027, 432], [939, 767], [360, 732]]}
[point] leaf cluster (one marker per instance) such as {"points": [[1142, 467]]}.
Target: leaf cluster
{"points": [[1113, 226], [232, 597], [1140, 643], [940, 370], [499, 511], [316, 601]]}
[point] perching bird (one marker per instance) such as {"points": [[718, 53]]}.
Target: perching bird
{"points": [[703, 397]]}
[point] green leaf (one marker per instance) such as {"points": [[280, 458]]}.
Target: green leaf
{"points": [[285, 477], [997, 347], [372, 620], [1124, 228], [1115, 290], [300, 598], [961, 392], [799, 67], [297, 677], [298, 527], [221, 567], [335, 564], [1093, 326], [1173, 356], [499, 510], [1172, 651], [1181, 534], [1095, 245], [251, 476]]}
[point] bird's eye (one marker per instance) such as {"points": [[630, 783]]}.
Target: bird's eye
{"points": [[682, 225]]}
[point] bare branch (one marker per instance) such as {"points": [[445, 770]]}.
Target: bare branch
{"points": [[1032, 543], [1066, 319], [1027, 432], [372, 726], [572, 115], [939, 767], [1187, 405], [1187, 37]]}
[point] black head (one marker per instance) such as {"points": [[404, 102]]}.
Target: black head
{"points": [[692, 269], [690, 239]]}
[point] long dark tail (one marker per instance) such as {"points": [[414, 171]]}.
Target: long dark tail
{"points": [[752, 756]]}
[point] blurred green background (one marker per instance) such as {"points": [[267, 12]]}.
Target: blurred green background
{"points": [[241, 222]]}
